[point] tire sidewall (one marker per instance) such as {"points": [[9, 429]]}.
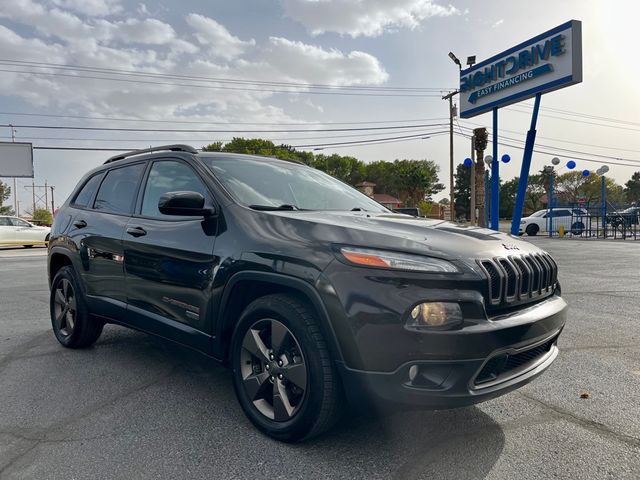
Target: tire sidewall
{"points": [[532, 230], [302, 422], [81, 308]]}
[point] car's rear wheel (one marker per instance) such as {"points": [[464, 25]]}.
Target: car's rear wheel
{"points": [[577, 228], [70, 319], [282, 371], [532, 230]]}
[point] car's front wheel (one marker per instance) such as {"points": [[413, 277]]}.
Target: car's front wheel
{"points": [[282, 371], [70, 319], [532, 230]]}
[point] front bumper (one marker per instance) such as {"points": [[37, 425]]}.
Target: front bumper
{"points": [[524, 344]]}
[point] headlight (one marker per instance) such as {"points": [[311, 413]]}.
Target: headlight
{"points": [[396, 260], [522, 222], [435, 314]]}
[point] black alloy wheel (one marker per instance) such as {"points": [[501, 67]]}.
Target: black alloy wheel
{"points": [[64, 310], [283, 375], [273, 369], [72, 324]]}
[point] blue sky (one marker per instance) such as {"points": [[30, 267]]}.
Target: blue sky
{"points": [[387, 43]]}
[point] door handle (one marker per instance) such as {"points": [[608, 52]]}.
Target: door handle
{"points": [[136, 231], [79, 224]]}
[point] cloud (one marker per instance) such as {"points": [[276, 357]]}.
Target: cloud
{"points": [[313, 64], [93, 8], [60, 35], [498, 23], [217, 37], [363, 18]]}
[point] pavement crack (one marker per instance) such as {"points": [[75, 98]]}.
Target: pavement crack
{"points": [[591, 425]]}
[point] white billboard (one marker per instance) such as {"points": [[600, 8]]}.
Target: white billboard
{"points": [[16, 159], [542, 64]]}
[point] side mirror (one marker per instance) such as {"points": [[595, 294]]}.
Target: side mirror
{"points": [[188, 204]]}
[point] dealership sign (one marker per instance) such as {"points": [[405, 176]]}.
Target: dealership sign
{"points": [[545, 63]]}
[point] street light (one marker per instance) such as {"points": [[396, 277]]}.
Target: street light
{"points": [[455, 60]]}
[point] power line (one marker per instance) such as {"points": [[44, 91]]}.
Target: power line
{"points": [[122, 129], [578, 114], [124, 72], [216, 87], [197, 122], [174, 140], [605, 147], [320, 145], [553, 153]]}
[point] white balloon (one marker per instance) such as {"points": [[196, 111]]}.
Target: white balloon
{"points": [[604, 168], [555, 161], [488, 159], [599, 171]]}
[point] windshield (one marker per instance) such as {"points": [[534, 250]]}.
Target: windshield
{"points": [[266, 183]]}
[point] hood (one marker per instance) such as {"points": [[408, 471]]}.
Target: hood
{"points": [[406, 233]]}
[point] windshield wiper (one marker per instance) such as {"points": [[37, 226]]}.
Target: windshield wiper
{"points": [[273, 208]]}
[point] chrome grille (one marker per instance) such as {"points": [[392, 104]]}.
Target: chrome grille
{"points": [[519, 278]]}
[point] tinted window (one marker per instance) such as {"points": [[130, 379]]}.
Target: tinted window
{"points": [[4, 222], [274, 183], [18, 222], [117, 192], [85, 194], [168, 176]]}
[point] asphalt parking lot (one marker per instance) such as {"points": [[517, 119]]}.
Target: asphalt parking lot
{"points": [[137, 407]]}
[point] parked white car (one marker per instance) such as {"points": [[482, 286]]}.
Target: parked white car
{"points": [[574, 220], [16, 231]]}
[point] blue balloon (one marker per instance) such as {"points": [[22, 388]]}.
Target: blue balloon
{"points": [[506, 158], [468, 162], [571, 164], [585, 173]]}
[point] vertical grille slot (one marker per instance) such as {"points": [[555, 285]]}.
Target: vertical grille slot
{"points": [[511, 280], [537, 273], [526, 276], [495, 281]]}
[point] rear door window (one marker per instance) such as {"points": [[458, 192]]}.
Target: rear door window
{"points": [[18, 222], [85, 194], [118, 189]]}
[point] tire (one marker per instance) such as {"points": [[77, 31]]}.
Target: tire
{"points": [[303, 398], [72, 325], [532, 230], [577, 228]]}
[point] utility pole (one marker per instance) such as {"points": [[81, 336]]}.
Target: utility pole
{"points": [[53, 206], [452, 199], [15, 183], [472, 181]]}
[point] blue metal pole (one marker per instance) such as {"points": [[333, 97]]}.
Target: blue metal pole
{"points": [[487, 190], [603, 196], [495, 177], [526, 165], [550, 205]]}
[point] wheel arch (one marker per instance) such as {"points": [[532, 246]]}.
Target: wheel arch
{"points": [[245, 287], [58, 258]]}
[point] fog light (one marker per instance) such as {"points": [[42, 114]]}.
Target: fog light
{"points": [[435, 314]]}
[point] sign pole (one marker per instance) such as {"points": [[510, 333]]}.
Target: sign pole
{"points": [[526, 165], [472, 182], [487, 189], [495, 177]]}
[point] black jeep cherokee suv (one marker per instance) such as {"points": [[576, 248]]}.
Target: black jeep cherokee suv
{"points": [[307, 289]]}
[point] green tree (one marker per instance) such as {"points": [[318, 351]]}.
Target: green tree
{"points": [[5, 192], [535, 193], [415, 180], [42, 216], [632, 188], [462, 191], [508, 192]]}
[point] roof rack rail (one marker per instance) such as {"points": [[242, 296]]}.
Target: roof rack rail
{"points": [[173, 148]]}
